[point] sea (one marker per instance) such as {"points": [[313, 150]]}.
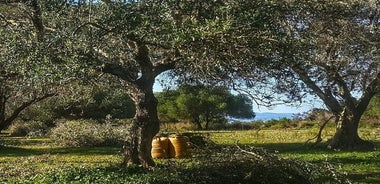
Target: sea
{"points": [[265, 116]]}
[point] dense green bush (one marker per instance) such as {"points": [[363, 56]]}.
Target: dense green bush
{"points": [[98, 105], [30, 128], [270, 124], [243, 125], [88, 133], [89, 104]]}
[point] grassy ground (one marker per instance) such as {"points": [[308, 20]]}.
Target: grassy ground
{"points": [[38, 160], [361, 167]]}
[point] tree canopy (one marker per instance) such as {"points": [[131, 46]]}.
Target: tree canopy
{"points": [[261, 48]]}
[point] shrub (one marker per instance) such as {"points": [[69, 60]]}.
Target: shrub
{"points": [[177, 127], [306, 124], [88, 133], [30, 128]]}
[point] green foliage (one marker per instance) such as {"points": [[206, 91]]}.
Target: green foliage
{"points": [[92, 102], [97, 105], [29, 66], [43, 111], [373, 110], [88, 133], [167, 107], [240, 106]]}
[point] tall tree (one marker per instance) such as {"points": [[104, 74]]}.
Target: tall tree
{"points": [[132, 40], [26, 76], [329, 49], [343, 69], [137, 41]]}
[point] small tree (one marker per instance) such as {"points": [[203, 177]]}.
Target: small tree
{"points": [[204, 104], [167, 108]]}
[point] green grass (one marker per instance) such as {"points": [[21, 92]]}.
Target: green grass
{"points": [[39, 160], [361, 167]]}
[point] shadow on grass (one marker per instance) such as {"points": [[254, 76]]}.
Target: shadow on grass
{"points": [[369, 177], [83, 151], [23, 146], [301, 148], [6, 151], [86, 151]]}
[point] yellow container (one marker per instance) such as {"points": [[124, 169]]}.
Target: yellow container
{"points": [[160, 147], [179, 146]]}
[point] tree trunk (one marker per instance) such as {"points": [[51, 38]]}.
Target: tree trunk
{"points": [[198, 123], [144, 127], [2, 112], [346, 136], [207, 119], [4, 125]]}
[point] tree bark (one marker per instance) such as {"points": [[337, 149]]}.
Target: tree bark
{"points": [[144, 127], [346, 136], [207, 119]]}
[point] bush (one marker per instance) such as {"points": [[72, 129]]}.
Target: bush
{"points": [[31, 128], [88, 133], [243, 125]]}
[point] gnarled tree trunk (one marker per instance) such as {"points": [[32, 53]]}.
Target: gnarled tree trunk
{"points": [[144, 127], [140, 85], [346, 136]]}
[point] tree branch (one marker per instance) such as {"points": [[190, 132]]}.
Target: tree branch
{"points": [[119, 71], [319, 135], [118, 30], [165, 65], [37, 20], [349, 100], [24, 105], [330, 101]]}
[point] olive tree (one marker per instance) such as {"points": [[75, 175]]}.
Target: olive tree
{"points": [[133, 40], [342, 68], [26, 76], [329, 50]]}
